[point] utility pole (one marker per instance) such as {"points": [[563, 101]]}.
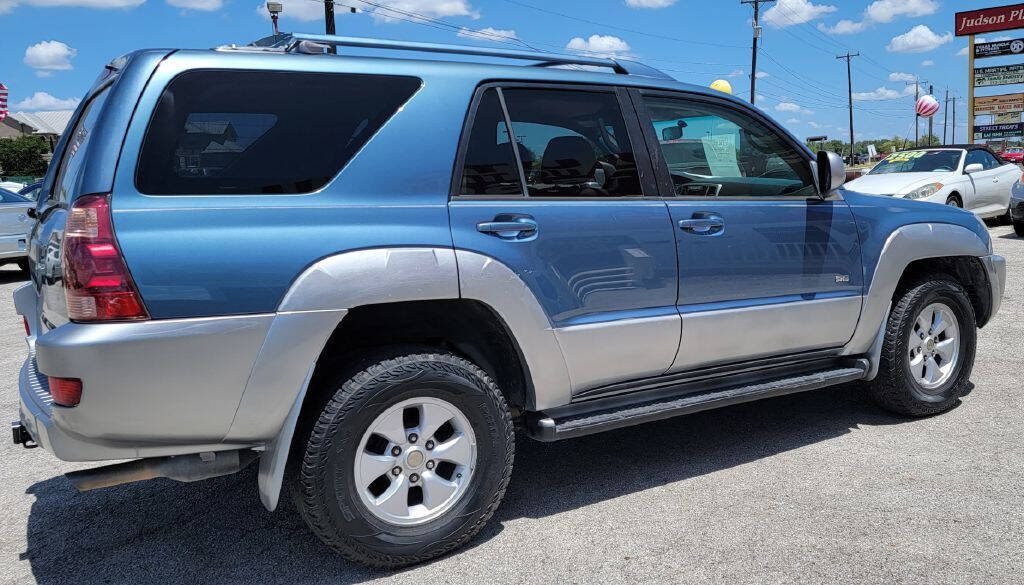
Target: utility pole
{"points": [[757, 34], [329, 23], [931, 119], [917, 119], [849, 91], [952, 139], [945, 116]]}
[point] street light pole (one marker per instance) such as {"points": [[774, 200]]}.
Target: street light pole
{"points": [[753, 53]]}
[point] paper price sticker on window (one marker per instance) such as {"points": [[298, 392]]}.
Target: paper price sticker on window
{"points": [[720, 151], [905, 156]]}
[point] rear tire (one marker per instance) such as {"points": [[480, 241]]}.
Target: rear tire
{"points": [[954, 201], [405, 394], [1018, 228], [925, 365]]}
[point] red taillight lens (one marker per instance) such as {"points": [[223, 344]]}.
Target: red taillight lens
{"points": [[24, 320], [65, 391], [96, 280]]}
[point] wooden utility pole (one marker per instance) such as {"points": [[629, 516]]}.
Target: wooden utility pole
{"points": [[329, 23], [931, 119], [952, 139], [757, 34], [945, 116], [849, 91]]}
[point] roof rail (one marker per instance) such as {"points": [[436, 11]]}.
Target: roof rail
{"points": [[314, 43]]}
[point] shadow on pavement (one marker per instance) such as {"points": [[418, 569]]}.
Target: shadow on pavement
{"points": [[16, 274], [216, 531]]}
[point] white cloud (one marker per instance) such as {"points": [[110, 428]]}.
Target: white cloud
{"points": [[898, 76], [919, 39], [41, 100], [790, 12], [813, 124], [882, 93], [603, 45], [737, 73], [927, 63], [302, 10], [49, 56], [887, 10], [488, 34], [792, 107], [843, 27], [762, 74], [759, 98], [962, 52], [430, 8], [649, 3], [792, 121], [203, 5], [8, 5]]}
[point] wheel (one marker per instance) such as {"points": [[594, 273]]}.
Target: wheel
{"points": [[408, 459], [928, 350], [952, 200], [1006, 218], [1018, 228]]}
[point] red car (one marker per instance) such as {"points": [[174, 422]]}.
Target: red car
{"points": [[1014, 154]]}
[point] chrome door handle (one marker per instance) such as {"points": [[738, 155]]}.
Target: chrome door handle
{"points": [[702, 225], [519, 227]]}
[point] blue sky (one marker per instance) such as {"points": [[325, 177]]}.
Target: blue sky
{"points": [[53, 49]]}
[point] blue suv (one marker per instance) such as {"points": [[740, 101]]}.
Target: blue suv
{"points": [[363, 272]]}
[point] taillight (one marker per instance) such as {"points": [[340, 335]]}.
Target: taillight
{"points": [[65, 391], [24, 320], [96, 280]]}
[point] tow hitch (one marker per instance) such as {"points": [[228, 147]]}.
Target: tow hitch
{"points": [[21, 436]]}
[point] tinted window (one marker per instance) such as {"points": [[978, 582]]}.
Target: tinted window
{"points": [[713, 150], [982, 158], [572, 143], [74, 149], [490, 166], [247, 132], [920, 161]]}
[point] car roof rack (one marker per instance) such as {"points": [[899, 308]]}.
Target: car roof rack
{"points": [[317, 43]]}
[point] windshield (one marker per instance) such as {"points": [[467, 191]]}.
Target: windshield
{"points": [[918, 161]]}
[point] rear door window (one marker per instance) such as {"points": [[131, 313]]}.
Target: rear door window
{"points": [[74, 150], [248, 132]]}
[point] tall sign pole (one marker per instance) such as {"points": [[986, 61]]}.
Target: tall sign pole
{"points": [[952, 138], [931, 92], [945, 116], [970, 90], [757, 34], [849, 91]]}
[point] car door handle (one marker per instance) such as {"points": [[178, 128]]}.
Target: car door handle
{"points": [[702, 225], [519, 227]]}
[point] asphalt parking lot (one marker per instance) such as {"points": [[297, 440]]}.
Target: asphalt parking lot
{"points": [[812, 488]]}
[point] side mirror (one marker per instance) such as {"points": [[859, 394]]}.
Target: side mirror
{"points": [[973, 168], [671, 133], [831, 171]]}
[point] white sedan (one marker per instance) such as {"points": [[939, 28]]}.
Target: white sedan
{"points": [[971, 177]]}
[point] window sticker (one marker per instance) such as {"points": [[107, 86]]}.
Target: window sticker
{"points": [[720, 150]]}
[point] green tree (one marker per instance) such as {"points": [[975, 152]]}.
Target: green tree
{"points": [[23, 156]]}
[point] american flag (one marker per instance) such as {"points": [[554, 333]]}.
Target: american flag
{"points": [[3, 102]]}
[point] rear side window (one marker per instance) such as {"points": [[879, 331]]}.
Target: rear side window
{"points": [[74, 150], [255, 132]]}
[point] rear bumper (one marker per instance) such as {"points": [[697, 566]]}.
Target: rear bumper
{"points": [[995, 269], [150, 389]]}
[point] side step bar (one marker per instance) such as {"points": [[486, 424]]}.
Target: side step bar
{"points": [[579, 419]]}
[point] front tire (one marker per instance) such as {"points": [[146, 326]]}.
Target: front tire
{"points": [[408, 459], [928, 349], [1018, 228], [954, 201]]}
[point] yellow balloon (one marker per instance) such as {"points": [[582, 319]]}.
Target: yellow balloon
{"points": [[722, 86]]}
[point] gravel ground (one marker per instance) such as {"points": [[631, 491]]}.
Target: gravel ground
{"points": [[811, 488]]}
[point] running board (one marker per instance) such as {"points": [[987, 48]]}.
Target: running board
{"points": [[579, 419]]}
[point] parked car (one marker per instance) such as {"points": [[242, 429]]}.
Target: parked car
{"points": [[1017, 209], [11, 186], [31, 191], [14, 228], [1014, 154], [967, 176], [368, 289]]}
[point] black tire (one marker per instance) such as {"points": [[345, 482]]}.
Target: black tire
{"points": [[1018, 228], [954, 201], [895, 388], [323, 485]]}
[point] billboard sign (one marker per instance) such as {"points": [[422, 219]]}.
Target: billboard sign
{"points": [[998, 131], [985, 20], [1001, 75], [1008, 118], [999, 48], [998, 104]]}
